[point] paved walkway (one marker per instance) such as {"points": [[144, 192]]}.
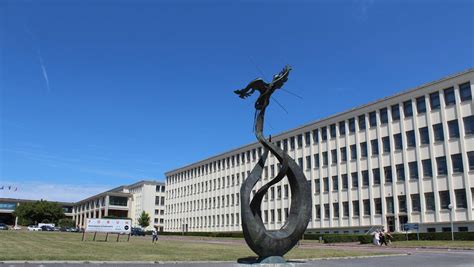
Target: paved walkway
{"points": [[418, 259]]}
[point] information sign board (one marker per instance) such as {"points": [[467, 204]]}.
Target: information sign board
{"points": [[119, 226]]}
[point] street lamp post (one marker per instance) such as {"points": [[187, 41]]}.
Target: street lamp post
{"points": [[450, 207]]}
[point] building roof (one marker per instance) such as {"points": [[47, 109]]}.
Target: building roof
{"points": [[19, 200], [142, 182], [324, 120]]}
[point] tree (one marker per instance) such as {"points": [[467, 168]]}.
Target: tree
{"points": [[39, 211], [144, 219], [66, 222]]}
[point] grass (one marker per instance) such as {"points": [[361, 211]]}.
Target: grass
{"points": [[434, 243], [68, 246]]}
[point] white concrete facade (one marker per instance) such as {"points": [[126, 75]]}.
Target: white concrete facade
{"points": [[400, 159], [148, 196], [127, 201]]}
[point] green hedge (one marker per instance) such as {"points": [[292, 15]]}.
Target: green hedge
{"points": [[341, 238], [463, 236]]}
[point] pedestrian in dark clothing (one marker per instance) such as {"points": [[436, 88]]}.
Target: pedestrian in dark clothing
{"points": [[383, 238], [154, 234]]}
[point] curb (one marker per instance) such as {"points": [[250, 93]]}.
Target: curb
{"points": [[191, 262]]}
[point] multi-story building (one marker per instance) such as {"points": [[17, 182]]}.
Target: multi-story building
{"points": [[8, 206], [148, 196], [404, 158], [127, 201]]}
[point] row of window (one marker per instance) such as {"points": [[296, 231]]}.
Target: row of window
{"points": [[204, 204], [435, 104], [427, 172], [205, 221], [444, 200]]}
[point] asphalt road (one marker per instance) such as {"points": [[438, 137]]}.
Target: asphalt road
{"points": [[459, 258]]}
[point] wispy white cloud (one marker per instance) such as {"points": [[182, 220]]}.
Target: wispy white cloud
{"points": [[40, 58], [50, 191]]}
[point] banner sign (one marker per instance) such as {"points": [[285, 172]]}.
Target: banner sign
{"points": [[409, 226], [119, 226]]}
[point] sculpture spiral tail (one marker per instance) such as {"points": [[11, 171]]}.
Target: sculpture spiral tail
{"points": [[275, 243]]}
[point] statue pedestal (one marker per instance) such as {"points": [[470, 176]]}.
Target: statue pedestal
{"points": [[272, 259], [268, 261]]}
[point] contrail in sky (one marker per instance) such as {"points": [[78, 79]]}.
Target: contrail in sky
{"points": [[40, 57]]}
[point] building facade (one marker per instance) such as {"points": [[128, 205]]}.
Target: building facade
{"points": [[408, 158], [127, 201], [8, 206]]}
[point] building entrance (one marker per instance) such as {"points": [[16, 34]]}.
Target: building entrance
{"points": [[402, 219]]}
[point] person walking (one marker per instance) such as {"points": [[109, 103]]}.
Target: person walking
{"points": [[154, 235], [383, 239], [376, 238]]}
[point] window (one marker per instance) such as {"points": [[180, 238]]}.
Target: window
{"points": [[345, 209], [325, 158], [300, 163], [400, 172], [411, 138], [395, 113], [315, 136], [449, 98], [366, 203], [317, 186], [326, 184], [355, 180], [427, 170], [438, 132], [353, 152], [334, 156], [429, 201], [397, 140], [352, 125], [461, 201], [324, 134], [463, 229], [308, 162], [388, 174], [373, 119], [470, 156], [318, 211], [468, 125], [355, 208], [365, 178], [441, 165], [389, 203], [285, 146], [326, 211], [343, 154], [292, 143], [299, 140], [465, 91], [444, 199], [376, 175], [424, 136], [420, 105], [431, 230], [344, 181], [342, 128], [415, 202], [402, 204], [335, 184], [386, 144], [383, 116], [378, 205], [307, 138], [456, 161], [413, 166], [316, 160], [434, 101], [375, 147], [363, 149], [361, 120], [407, 109], [333, 130], [453, 128], [335, 208]]}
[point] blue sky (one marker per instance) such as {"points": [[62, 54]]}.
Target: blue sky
{"points": [[95, 95]]}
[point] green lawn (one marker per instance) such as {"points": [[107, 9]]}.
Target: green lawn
{"points": [[434, 243], [68, 246]]}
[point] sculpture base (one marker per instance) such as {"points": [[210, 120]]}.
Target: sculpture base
{"points": [[264, 261]]}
